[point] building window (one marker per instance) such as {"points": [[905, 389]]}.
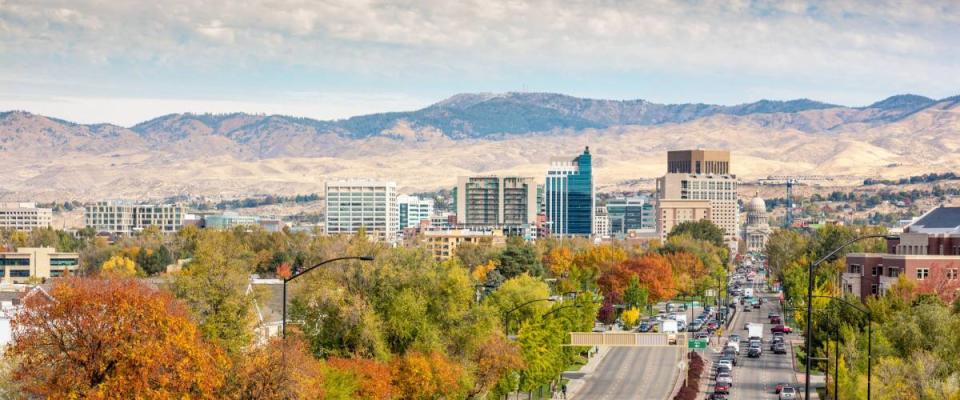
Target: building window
{"points": [[877, 271], [874, 289], [922, 273], [19, 273], [855, 268], [952, 273]]}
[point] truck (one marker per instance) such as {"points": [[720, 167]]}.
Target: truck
{"points": [[755, 330], [669, 327]]}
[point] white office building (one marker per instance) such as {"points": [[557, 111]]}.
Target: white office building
{"points": [[413, 209], [357, 203], [24, 216], [122, 218]]}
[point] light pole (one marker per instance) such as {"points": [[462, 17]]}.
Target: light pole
{"points": [[809, 335], [506, 315], [869, 343], [283, 324]]}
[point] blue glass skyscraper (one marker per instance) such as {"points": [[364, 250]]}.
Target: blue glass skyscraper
{"points": [[569, 195]]}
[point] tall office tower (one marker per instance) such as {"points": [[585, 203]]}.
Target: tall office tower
{"points": [[496, 200], [719, 190], [413, 209], [601, 224], [122, 218], [24, 216], [353, 204], [715, 162], [630, 213], [570, 198]]}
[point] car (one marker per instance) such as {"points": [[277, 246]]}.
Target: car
{"points": [[721, 387], [781, 329], [719, 396], [788, 392], [701, 335], [754, 352], [712, 325], [645, 326], [725, 377], [776, 320], [735, 338], [756, 304], [780, 387], [779, 348], [725, 361], [734, 345]]}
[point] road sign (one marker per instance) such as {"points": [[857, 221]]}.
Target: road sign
{"points": [[697, 344]]}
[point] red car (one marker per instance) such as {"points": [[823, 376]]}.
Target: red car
{"points": [[781, 329], [721, 387], [776, 320], [779, 387]]}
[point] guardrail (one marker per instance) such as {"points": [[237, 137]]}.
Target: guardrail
{"points": [[626, 339]]}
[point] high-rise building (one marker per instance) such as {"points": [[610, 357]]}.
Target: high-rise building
{"points": [[355, 204], [496, 200], [569, 195], [630, 213], [716, 162], [121, 218], [413, 209], [719, 190], [24, 216], [671, 213], [601, 224]]}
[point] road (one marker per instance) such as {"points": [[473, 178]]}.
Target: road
{"points": [[635, 373], [756, 378]]}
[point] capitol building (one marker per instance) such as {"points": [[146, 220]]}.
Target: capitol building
{"points": [[756, 231]]}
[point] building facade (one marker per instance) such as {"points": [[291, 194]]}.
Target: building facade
{"points": [[719, 190], [601, 224], [120, 218], [757, 229], [229, 220], [927, 252], [40, 262], [671, 213], [569, 195], [413, 210], [443, 244], [629, 214], [496, 200], [355, 204], [24, 216], [713, 162]]}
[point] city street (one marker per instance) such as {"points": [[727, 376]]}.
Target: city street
{"points": [[633, 373], [757, 378]]}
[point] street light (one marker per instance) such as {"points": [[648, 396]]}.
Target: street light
{"points": [[810, 305], [283, 324], [506, 315], [869, 343]]}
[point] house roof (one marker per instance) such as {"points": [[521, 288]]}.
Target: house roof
{"points": [[940, 220]]}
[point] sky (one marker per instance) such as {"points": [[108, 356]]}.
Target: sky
{"points": [[124, 62]]}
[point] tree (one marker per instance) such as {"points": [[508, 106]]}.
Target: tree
{"points": [[700, 230], [373, 377], [783, 248], [496, 358], [635, 296], [519, 258], [260, 373], [119, 266], [655, 273], [517, 291], [112, 338], [427, 376], [630, 317], [214, 286]]}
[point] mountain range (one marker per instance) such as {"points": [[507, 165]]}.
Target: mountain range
{"points": [[235, 154]]}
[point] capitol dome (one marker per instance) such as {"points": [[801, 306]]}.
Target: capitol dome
{"points": [[757, 204]]}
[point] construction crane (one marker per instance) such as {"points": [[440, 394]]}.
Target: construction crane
{"points": [[790, 181]]}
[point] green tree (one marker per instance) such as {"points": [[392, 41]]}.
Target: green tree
{"points": [[700, 230], [518, 258], [214, 286], [636, 295], [517, 291]]}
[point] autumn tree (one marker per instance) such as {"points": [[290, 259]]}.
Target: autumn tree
{"points": [[119, 266], [280, 370], [654, 273], [494, 359], [373, 377], [112, 338], [432, 375], [214, 286]]}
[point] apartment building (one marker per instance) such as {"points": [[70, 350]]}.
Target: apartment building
{"points": [[40, 262], [443, 244], [496, 200], [926, 252], [24, 216], [355, 204], [671, 213], [413, 210], [122, 218]]}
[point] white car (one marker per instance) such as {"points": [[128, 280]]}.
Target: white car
{"points": [[725, 377], [725, 362], [788, 393], [734, 345]]}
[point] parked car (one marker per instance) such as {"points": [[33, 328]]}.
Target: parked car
{"points": [[781, 329], [788, 392], [645, 326]]}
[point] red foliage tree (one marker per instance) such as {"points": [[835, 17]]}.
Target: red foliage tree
{"points": [[655, 273]]}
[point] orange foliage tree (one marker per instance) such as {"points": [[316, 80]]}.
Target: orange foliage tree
{"points": [[688, 270], [373, 377], [112, 338], [655, 273], [427, 376], [261, 373], [494, 359]]}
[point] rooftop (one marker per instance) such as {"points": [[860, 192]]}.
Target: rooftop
{"points": [[940, 220]]}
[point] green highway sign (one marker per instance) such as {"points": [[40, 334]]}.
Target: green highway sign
{"points": [[697, 344]]}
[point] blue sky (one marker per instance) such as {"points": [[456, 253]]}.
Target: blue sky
{"points": [[124, 62]]}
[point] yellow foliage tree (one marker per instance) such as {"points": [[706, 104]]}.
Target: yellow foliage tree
{"points": [[479, 273], [630, 317], [119, 266]]}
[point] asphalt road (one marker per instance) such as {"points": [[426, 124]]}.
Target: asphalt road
{"points": [[635, 373], [757, 378]]}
